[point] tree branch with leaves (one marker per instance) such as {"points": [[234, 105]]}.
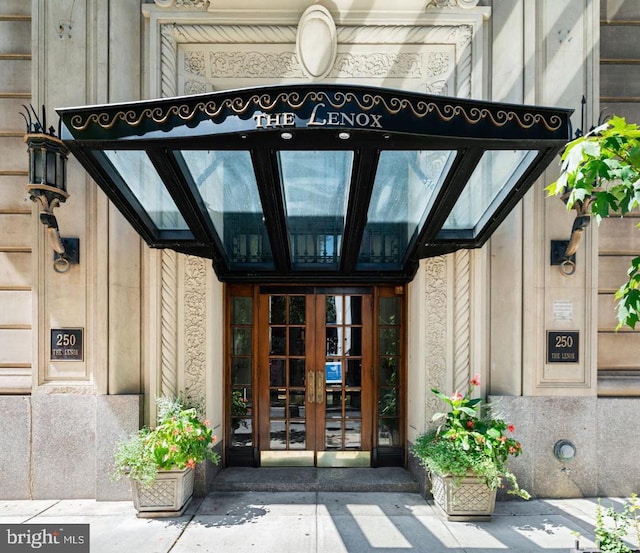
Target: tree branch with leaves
{"points": [[602, 170]]}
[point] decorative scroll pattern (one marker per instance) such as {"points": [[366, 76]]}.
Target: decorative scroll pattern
{"points": [[378, 64], [461, 321], [168, 324], [194, 327], [436, 329], [438, 4], [445, 111], [255, 65], [194, 4], [196, 87]]}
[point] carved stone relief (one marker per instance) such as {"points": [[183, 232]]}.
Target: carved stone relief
{"points": [[435, 341], [194, 327], [434, 59]]}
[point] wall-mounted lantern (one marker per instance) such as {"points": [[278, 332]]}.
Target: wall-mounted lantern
{"points": [[48, 180]]}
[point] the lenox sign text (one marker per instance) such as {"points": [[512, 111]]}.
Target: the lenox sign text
{"points": [[319, 118]]}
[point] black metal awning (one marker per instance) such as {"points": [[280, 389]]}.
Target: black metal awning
{"points": [[311, 183]]}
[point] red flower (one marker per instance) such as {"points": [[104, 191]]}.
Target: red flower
{"points": [[475, 381], [512, 449], [456, 397], [206, 423], [469, 424], [511, 428], [503, 439], [214, 439], [191, 464]]}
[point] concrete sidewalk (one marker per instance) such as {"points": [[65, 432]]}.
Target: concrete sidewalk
{"points": [[317, 522]]}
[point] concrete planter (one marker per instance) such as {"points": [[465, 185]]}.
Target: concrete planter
{"points": [[168, 496], [463, 499]]}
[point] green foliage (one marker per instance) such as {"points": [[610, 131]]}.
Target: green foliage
{"points": [[602, 170], [470, 441], [613, 526], [179, 440]]}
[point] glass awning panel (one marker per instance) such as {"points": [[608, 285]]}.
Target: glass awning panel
{"points": [[404, 187], [135, 172], [315, 187], [493, 177], [226, 184], [315, 183]]}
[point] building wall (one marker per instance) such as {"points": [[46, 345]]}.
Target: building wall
{"points": [[618, 238], [153, 320], [16, 280]]}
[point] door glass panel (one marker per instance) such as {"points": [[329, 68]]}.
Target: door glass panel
{"points": [[278, 402], [332, 312], [353, 310], [241, 370], [296, 405], [388, 405], [333, 434], [333, 409], [334, 340], [405, 185], [242, 432], [297, 371], [277, 372], [353, 376], [241, 311], [278, 310], [388, 370], [278, 341], [315, 187], [388, 338], [352, 434], [296, 341], [297, 305], [278, 434], [353, 405], [389, 311], [226, 183], [241, 341], [353, 341], [297, 435]]}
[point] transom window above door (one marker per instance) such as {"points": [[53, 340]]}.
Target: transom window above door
{"points": [[315, 183]]}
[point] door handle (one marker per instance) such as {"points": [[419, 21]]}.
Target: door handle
{"points": [[320, 387], [311, 387]]}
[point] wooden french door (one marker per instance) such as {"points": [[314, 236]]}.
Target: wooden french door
{"points": [[315, 378]]}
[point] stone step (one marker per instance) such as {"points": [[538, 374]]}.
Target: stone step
{"points": [[286, 479]]}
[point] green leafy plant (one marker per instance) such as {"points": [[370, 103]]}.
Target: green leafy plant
{"points": [[181, 439], [613, 526], [467, 440], [601, 174]]}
